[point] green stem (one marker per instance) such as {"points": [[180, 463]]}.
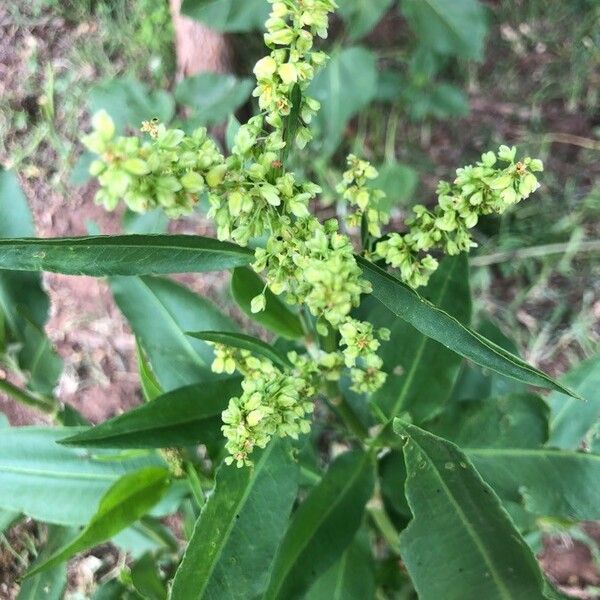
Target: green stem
{"points": [[46, 405], [377, 512], [195, 485]]}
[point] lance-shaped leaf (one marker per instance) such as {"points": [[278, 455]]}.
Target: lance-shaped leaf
{"points": [[277, 317], [572, 422], [350, 578], [130, 498], [183, 417], [50, 584], [160, 311], [55, 484], [428, 369], [122, 255], [244, 342], [239, 529], [444, 328], [323, 526], [459, 531]]}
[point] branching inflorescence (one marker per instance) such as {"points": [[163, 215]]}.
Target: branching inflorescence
{"points": [[311, 264]]}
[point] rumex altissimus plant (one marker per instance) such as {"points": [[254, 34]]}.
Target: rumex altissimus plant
{"points": [[427, 454], [311, 264]]}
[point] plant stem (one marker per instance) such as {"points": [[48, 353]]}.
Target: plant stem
{"points": [[377, 512], [195, 485], [46, 405]]}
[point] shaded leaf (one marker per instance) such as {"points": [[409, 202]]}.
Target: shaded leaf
{"points": [[323, 526], [399, 182], [342, 93], [457, 28], [556, 483], [453, 508], [277, 316], [237, 534], [362, 15], [128, 499], [183, 417], [350, 578], [213, 97], [517, 420], [55, 484], [160, 311], [228, 15], [129, 102], [572, 422], [122, 255]]}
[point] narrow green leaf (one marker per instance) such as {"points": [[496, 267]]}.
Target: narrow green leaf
{"points": [[413, 354], [130, 498], [350, 578], [244, 342], [572, 422], [160, 311], [323, 526], [51, 483], [237, 534], [444, 328], [461, 544], [554, 483], [122, 255], [51, 584], [277, 317], [183, 417]]}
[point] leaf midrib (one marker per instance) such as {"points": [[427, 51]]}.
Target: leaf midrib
{"points": [[504, 592], [156, 428], [535, 452], [57, 474], [232, 522]]}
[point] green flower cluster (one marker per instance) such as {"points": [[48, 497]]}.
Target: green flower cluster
{"points": [[291, 29], [480, 189], [272, 403], [252, 195], [169, 172], [354, 188]]}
